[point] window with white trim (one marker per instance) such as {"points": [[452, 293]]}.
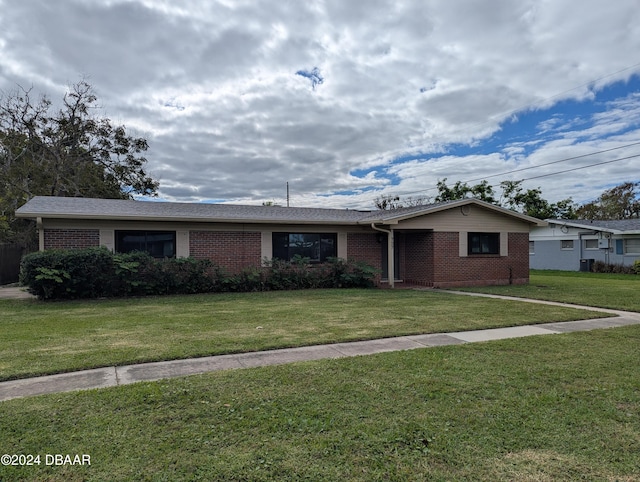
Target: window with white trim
{"points": [[590, 244], [566, 244], [632, 246]]}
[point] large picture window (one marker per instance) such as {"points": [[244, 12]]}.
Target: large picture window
{"points": [[315, 246], [159, 244], [483, 243]]}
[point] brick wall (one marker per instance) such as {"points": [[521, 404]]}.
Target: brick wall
{"points": [[418, 259], [451, 270], [366, 248], [231, 250], [71, 238]]}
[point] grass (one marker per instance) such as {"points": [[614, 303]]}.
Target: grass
{"points": [[553, 408], [43, 338], [615, 291]]}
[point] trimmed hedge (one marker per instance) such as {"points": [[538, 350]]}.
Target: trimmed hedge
{"points": [[99, 273], [601, 267]]}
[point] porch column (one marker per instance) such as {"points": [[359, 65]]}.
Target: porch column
{"points": [[390, 248], [40, 228], [390, 257]]}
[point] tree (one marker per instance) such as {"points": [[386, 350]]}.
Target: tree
{"points": [[531, 202], [70, 152], [390, 201], [619, 202], [514, 197], [482, 191]]}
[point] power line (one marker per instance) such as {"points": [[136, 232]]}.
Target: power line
{"points": [[528, 106], [548, 164], [554, 162], [581, 167]]}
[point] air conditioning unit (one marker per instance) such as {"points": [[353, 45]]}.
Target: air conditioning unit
{"points": [[603, 243]]}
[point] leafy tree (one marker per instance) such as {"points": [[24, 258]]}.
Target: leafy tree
{"points": [[619, 202], [482, 191], [514, 197], [390, 201], [531, 202], [68, 152]]}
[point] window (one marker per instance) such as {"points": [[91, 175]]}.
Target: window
{"points": [[315, 246], [566, 244], [483, 243], [590, 244], [632, 246], [532, 247], [159, 244]]}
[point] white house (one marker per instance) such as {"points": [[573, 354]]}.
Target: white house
{"points": [[573, 245]]}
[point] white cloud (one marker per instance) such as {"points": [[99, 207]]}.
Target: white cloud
{"points": [[213, 86]]}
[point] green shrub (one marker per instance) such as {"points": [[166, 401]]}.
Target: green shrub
{"points": [[601, 267], [350, 274], [97, 272], [77, 273]]}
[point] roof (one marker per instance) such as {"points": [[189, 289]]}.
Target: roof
{"points": [[122, 209], [617, 226]]}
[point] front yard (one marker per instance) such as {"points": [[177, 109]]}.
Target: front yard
{"points": [[551, 408], [52, 337], [561, 407]]}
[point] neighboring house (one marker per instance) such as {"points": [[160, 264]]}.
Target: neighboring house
{"points": [[457, 243], [574, 245]]}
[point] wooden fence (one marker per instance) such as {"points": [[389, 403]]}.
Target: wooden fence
{"points": [[10, 255]]}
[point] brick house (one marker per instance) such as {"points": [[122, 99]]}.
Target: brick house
{"points": [[457, 243]]}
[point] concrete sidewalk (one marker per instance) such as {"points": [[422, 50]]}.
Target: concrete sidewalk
{"points": [[124, 375]]}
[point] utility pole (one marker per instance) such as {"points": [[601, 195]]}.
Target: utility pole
{"points": [[287, 193]]}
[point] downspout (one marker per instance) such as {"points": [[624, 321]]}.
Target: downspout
{"points": [[390, 256]]}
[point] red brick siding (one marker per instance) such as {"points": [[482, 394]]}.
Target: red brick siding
{"points": [[366, 248], [418, 258], [231, 250], [452, 270], [71, 238]]}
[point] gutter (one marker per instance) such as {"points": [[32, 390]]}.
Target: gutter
{"points": [[390, 256]]}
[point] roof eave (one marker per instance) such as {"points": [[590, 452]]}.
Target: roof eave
{"points": [[86, 217], [454, 204], [590, 227]]}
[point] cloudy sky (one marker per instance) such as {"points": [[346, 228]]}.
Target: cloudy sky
{"points": [[348, 100]]}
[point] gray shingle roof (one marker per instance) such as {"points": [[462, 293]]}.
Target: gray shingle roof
{"points": [[91, 208], [618, 226]]}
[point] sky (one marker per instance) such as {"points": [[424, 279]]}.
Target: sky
{"points": [[347, 101]]}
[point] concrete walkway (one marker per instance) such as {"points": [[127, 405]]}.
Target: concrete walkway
{"points": [[124, 375], [15, 293]]}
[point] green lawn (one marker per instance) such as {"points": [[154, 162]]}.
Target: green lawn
{"points": [[552, 408], [616, 291], [50, 337]]}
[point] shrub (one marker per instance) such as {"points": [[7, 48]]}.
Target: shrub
{"points": [[59, 274], [97, 272], [601, 267], [350, 274]]}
